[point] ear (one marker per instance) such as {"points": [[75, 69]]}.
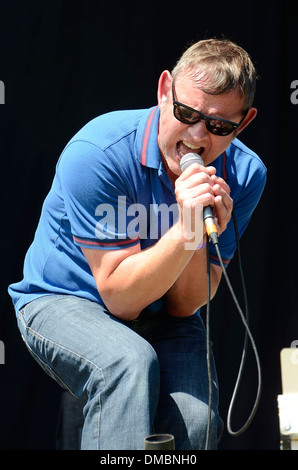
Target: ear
{"points": [[164, 85], [252, 112]]}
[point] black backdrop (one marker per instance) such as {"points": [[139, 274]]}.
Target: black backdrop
{"points": [[63, 63]]}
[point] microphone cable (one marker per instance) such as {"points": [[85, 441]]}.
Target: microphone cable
{"points": [[248, 335], [210, 387]]}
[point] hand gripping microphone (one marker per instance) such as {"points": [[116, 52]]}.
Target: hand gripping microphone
{"points": [[186, 161]]}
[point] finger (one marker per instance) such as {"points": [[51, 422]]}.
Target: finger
{"points": [[193, 179], [223, 212], [224, 192], [219, 231], [200, 194], [196, 168], [224, 203], [222, 183]]}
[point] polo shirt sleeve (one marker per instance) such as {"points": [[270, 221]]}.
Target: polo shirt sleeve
{"points": [[95, 197], [253, 180]]}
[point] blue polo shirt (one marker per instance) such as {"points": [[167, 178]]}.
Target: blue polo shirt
{"points": [[111, 191]]}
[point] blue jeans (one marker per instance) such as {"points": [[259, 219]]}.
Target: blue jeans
{"points": [[140, 377]]}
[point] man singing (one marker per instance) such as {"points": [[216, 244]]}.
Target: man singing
{"points": [[111, 308]]}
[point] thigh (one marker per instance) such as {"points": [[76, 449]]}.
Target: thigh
{"points": [[71, 338]]}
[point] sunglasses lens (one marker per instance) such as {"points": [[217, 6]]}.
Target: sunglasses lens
{"points": [[218, 127], [190, 116], [185, 114]]}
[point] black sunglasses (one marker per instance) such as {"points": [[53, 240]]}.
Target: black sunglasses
{"points": [[190, 116]]}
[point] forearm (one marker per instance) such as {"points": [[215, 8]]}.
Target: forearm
{"points": [[189, 291], [145, 276]]}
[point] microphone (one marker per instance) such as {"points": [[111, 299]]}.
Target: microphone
{"points": [[185, 162]]}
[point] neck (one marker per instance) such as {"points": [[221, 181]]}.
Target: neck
{"points": [[171, 175]]}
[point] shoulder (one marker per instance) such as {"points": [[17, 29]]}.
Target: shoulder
{"points": [[245, 158], [109, 139], [110, 128], [90, 147], [244, 167]]}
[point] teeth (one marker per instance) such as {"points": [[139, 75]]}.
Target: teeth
{"points": [[180, 153], [191, 146]]}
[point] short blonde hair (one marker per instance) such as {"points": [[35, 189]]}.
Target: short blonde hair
{"points": [[218, 66]]}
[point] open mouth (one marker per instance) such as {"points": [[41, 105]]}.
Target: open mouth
{"points": [[184, 147]]}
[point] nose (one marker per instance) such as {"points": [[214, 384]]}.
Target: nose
{"points": [[198, 131]]}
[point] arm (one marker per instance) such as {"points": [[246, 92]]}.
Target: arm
{"points": [[128, 280], [189, 292]]}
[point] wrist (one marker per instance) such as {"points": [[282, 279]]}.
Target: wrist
{"points": [[191, 237]]}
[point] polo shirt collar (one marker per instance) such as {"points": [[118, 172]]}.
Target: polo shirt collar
{"points": [[147, 150]]}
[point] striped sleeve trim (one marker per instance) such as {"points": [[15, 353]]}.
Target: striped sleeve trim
{"points": [[215, 259], [105, 244]]}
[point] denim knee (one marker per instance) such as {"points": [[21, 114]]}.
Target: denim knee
{"points": [[135, 367], [204, 422], [143, 357], [141, 365], [187, 418]]}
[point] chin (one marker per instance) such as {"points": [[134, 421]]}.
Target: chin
{"points": [[172, 166]]}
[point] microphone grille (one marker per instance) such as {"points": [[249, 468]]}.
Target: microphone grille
{"points": [[189, 159]]}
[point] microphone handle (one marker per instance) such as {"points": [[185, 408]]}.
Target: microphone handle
{"points": [[211, 229], [209, 223]]}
